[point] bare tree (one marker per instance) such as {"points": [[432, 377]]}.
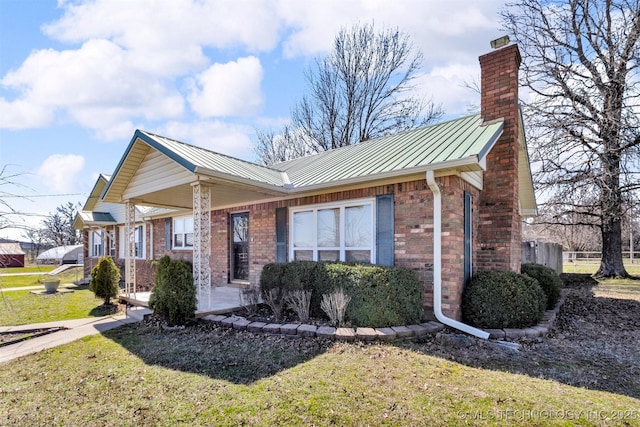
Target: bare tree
{"points": [[580, 62], [362, 90], [272, 147], [8, 180], [58, 226]]}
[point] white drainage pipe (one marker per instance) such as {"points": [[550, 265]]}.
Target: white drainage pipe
{"points": [[437, 264]]}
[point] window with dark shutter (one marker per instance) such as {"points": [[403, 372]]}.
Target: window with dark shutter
{"points": [[281, 234], [384, 230], [468, 220]]}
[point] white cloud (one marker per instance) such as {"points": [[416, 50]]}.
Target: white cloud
{"points": [[446, 86], [171, 30], [132, 63], [231, 89], [94, 86], [442, 30], [58, 172], [22, 114], [218, 136]]}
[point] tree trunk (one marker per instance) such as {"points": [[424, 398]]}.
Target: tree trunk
{"points": [[611, 264]]}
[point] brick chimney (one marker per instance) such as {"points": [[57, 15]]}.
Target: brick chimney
{"points": [[500, 227]]}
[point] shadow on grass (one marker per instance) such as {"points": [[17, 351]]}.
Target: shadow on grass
{"points": [[236, 356], [595, 344]]}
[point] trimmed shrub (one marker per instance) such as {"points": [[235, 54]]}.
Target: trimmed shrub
{"points": [[174, 294], [548, 280], [104, 280], [380, 296], [502, 299]]}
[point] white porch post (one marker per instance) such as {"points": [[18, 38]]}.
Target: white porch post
{"points": [[129, 247], [202, 241]]}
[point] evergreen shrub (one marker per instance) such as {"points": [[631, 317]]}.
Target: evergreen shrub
{"points": [[174, 295], [502, 299], [105, 278], [548, 280]]}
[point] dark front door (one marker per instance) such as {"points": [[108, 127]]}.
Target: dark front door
{"points": [[240, 246]]}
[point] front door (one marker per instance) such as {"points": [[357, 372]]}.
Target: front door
{"points": [[240, 246]]}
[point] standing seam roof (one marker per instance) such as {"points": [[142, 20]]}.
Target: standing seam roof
{"points": [[454, 140]]}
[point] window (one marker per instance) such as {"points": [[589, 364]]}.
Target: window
{"points": [[138, 238], [183, 233], [112, 244], [139, 241], [336, 232], [97, 244]]}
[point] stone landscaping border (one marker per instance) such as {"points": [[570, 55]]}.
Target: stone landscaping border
{"points": [[539, 330], [379, 334], [344, 334]]}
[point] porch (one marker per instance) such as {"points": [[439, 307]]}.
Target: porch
{"points": [[221, 300]]}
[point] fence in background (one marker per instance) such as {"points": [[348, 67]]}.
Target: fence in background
{"points": [[547, 254], [573, 256]]}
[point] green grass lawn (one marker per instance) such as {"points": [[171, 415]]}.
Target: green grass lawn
{"points": [[132, 378], [30, 269], [17, 281], [610, 288], [590, 267], [22, 307]]}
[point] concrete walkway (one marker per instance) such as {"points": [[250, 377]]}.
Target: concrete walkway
{"points": [[38, 287], [76, 329]]}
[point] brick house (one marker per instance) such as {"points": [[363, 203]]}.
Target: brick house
{"points": [[445, 201]]}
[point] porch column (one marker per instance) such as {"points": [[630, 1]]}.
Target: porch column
{"points": [[202, 240], [129, 247]]}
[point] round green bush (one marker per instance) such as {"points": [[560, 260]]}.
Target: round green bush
{"points": [[548, 280], [174, 295], [502, 299]]}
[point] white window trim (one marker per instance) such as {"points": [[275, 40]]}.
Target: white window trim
{"points": [[184, 237], [100, 234], [124, 241], [336, 205]]}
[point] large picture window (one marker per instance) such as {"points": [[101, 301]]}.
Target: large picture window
{"points": [[183, 233], [333, 232]]}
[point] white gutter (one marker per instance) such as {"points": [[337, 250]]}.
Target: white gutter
{"points": [[437, 264]]}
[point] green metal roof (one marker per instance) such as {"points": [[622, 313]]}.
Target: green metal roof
{"points": [[96, 217], [459, 144], [444, 145]]}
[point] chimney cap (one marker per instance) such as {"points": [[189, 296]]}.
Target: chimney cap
{"points": [[500, 42]]}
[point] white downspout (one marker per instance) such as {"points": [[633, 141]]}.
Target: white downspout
{"points": [[437, 264]]}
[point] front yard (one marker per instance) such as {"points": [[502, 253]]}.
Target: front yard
{"points": [[585, 372]]}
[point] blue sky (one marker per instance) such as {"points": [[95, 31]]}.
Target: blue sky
{"points": [[78, 77]]}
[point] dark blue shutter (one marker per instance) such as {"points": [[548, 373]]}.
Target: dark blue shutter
{"points": [[384, 230], [281, 234], [167, 233], [468, 220]]}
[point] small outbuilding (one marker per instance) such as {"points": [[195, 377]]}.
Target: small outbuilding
{"points": [[71, 254], [11, 255]]}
